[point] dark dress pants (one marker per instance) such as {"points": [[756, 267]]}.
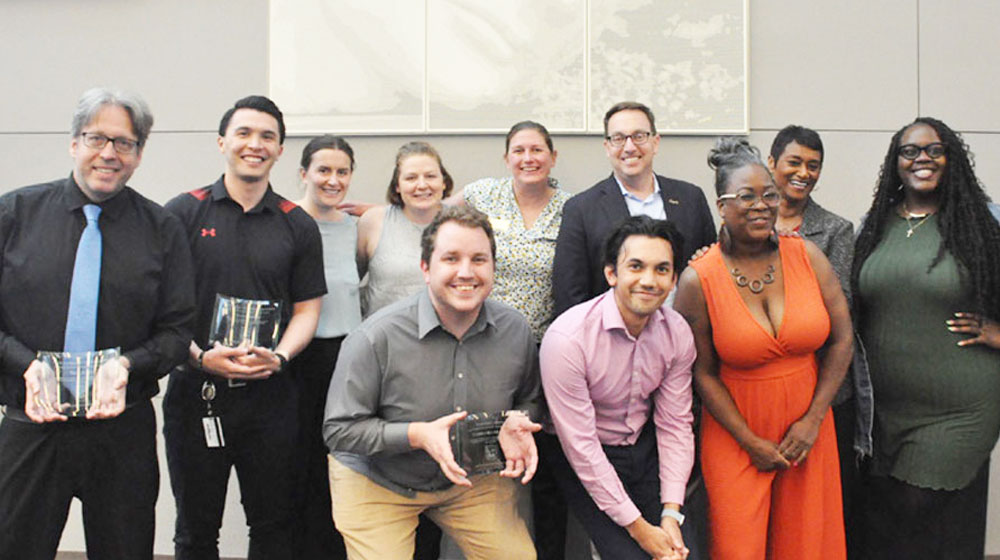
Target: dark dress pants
{"points": [[844, 421], [906, 521], [638, 468], [315, 535], [260, 426], [548, 508], [110, 465]]}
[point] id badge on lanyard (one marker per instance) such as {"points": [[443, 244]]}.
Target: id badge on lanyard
{"points": [[214, 437]]}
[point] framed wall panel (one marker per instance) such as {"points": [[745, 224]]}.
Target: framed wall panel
{"points": [[467, 66]]}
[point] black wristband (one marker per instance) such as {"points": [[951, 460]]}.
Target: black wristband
{"points": [[282, 359]]}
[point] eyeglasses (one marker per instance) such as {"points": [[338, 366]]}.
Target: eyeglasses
{"points": [[98, 141], [912, 151], [638, 138], [748, 199]]}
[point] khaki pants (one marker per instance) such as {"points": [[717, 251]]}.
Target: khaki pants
{"points": [[379, 524]]}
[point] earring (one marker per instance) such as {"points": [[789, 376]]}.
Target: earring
{"points": [[725, 242]]}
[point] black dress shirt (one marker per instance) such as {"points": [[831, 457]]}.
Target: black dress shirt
{"points": [[273, 251], [146, 301]]}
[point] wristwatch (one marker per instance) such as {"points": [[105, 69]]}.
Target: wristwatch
{"points": [[673, 513], [283, 359]]}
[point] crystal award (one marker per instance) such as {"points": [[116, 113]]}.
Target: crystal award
{"points": [[250, 322], [71, 380], [476, 443]]}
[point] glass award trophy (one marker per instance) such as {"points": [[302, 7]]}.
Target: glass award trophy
{"points": [[476, 444], [71, 380], [250, 322]]}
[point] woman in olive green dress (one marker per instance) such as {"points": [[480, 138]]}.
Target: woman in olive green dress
{"points": [[926, 279]]}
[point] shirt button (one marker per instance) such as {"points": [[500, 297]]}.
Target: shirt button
{"points": [[458, 409], [452, 438], [461, 376]]}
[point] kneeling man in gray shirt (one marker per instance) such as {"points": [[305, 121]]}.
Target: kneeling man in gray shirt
{"points": [[408, 374]]}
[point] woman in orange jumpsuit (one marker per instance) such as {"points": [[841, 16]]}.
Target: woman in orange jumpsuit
{"points": [[760, 306]]}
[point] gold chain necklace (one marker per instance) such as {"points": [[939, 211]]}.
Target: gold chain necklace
{"points": [[910, 228]]}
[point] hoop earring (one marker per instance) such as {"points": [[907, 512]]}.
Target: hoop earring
{"points": [[725, 241]]}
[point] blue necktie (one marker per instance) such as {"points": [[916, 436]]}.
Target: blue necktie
{"points": [[81, 320]]}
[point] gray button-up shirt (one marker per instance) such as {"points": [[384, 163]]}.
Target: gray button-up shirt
{"points": [[401, 366]]}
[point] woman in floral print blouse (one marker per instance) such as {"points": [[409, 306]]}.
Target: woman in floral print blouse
{"points": [[525, 210]]}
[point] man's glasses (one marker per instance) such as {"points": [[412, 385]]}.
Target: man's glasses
{"points": [[748, 199], [638, 138], [98, 141], [912, 151]]}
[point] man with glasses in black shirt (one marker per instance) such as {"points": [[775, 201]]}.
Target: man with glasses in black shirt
{"points": [[88, 264]]}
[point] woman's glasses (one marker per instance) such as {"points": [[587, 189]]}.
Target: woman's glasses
{"points": [[912, 151], [749, 199]]}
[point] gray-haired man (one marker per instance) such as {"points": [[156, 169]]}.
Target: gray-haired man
{"points": [[141, 300]]}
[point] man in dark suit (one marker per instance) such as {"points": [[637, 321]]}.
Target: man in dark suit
{"points": [[631, 142]]}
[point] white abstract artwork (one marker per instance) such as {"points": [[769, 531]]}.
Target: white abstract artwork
{"points": [[468, 66], [683, 58], [492, 64], [348, 65]]}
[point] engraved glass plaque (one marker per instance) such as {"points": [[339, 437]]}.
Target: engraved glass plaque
{"points": [[251, 322], [68, 379], [476, 443]]}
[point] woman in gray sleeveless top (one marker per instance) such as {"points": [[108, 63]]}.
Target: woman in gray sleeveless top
{"points": [[389, 236]]}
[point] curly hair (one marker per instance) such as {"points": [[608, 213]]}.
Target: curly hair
{"points": [[968, 229]]}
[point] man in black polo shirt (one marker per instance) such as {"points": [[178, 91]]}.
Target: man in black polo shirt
{"points": [[247, 242], [141, 301]]}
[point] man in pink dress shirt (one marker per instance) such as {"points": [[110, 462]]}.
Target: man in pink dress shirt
{"points": [[616, 371]]}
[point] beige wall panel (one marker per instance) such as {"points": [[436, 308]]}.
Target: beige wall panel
{"points": [[832, 65], [986, 149], [173, 163], [958, 70], [33, 158], [189, 59]]}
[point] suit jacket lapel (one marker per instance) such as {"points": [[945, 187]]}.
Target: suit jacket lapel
{"points": [[613, 202], [668, 206]]}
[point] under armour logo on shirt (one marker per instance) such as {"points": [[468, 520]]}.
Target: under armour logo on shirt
{"points": [[205, 232]]}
